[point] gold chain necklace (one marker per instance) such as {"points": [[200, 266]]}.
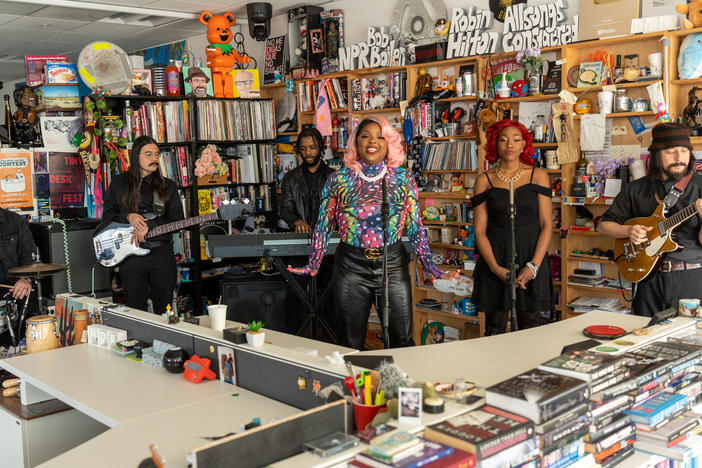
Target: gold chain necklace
{"points": [[498, 173]]}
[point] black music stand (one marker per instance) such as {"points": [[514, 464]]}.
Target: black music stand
{"points": [[314, 319]]}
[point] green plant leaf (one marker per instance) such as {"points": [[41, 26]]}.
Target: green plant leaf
{"points": [[90, 105], [118, 123]]}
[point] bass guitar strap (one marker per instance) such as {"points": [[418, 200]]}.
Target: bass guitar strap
{"points": [[676, 192], [159, 205]]}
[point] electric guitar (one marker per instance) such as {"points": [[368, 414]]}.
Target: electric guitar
{"points": [[114, 243], [636, 262]]}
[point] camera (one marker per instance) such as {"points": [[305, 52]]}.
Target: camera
{"points": [[259, 14]]}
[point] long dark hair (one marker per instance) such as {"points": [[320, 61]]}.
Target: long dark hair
{"points": [[131, 191], [655, 164], [315, 134]]}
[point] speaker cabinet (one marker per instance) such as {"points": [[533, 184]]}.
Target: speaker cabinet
{"points": [[79, 236], [269, 301]]}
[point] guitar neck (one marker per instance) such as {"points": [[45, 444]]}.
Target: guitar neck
{"points": [[680, 217], [183, 223]]}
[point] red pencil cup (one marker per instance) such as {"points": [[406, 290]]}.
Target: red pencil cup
{"points": [[364, 414]]}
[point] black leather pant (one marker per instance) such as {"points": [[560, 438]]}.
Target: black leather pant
{"points": [[151, 276], [358, 283]]}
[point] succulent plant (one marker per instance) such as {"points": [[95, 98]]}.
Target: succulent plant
{"points": [[255, 326]]}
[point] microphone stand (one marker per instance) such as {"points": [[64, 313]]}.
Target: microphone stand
{"points": [[385, 306], [513, 260]]}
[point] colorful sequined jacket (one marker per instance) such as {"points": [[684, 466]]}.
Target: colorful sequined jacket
{"points": [[355, 205]]}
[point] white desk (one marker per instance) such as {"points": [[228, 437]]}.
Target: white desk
{"points": [[107, 387], [176, 432], [489, 360]]}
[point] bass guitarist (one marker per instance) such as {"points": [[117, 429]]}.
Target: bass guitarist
{"points": [[145, 199], [680, 274]]}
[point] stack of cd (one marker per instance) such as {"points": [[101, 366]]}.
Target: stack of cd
{"points": [[158, 75]]}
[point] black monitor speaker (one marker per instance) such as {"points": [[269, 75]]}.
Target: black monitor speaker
{"points": [[269, 301]]}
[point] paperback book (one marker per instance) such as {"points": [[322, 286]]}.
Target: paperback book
{"points": [[583, 364]]}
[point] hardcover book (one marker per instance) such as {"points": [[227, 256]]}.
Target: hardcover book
{"points": [[484, 431], [583, 364], [673, 432], [563, 418], [537, 394], [393, 442]]}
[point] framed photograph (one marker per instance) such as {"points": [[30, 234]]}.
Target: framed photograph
{"points": [[246, 83], [198, 81], [410, 406], [227, 365], [57, 132], [317, 41]]}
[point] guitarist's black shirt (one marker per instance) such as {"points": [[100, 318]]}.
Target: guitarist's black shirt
{"points": [[638, 200], [116, 211]]}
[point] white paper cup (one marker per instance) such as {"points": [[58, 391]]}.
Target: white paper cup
{"points": [[655, 64], [605, 99], [218, 316]]}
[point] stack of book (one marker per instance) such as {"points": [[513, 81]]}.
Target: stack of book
{"points": [[494, 436], [554, 403], [585, 304], [447, 155], [606, 432], [401, 449]]}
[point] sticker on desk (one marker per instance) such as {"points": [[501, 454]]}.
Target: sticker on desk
{"points": [[624, 343], [607, 349], [301, 383]]}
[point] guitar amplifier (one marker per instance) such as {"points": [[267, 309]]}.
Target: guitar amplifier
{"points": [[79, 241]]}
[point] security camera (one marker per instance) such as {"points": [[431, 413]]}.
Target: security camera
{"points": [[259, 14]]}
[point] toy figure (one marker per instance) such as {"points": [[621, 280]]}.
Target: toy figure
{"points": [[693, 10], [25, 117], [221, 56], [631, 68], [333, 41], [441, 27], [423, 84]]}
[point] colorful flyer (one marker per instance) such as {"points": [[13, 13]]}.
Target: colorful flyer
{"points": [[16, 182]]}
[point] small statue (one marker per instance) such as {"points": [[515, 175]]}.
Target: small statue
{"points": [[441, 27], [333, 40], [25, 117]]}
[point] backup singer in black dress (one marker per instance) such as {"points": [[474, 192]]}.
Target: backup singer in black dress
{"points": [[509, 143]]}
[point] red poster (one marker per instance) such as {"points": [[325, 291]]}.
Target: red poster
{"points": [[67, 179]]}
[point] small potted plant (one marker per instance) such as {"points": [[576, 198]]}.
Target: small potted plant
{"points": [[209, 167], [255, 336], [533, 62]]}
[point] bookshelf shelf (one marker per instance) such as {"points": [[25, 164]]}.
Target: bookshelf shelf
{"points": [[540, 97], [454, 195], [458, 99], [454, 137], [623, 114], [546, 145], [291, 133], [177, 143], [635, 84], [377, 111]]}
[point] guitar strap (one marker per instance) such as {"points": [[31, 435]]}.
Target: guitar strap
{"points": [[676, 192], [159, 205]]}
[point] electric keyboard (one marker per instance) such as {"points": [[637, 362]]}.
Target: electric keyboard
{"points": [[272, 245]]}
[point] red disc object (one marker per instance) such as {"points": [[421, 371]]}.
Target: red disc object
{"points": [[604, 332]]}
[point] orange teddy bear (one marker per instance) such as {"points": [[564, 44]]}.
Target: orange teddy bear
{"points": [[221, 56], [693, 10]]}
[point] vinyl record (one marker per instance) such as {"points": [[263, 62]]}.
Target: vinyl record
{"points": [[572, 76], [604, 332]]}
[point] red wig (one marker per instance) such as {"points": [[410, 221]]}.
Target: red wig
{"points": [[493, 133], [396, 154]]}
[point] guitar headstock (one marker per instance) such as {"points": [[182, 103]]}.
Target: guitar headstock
{"points": [[232, 211]]}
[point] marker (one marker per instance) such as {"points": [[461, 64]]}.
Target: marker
{"points": [[367, 389], [380, 397]]}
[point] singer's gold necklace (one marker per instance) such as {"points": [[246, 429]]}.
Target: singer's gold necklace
{"points": [[517, 175]]}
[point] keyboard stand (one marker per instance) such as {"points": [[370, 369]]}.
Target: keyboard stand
{"points": [[314, 319]]}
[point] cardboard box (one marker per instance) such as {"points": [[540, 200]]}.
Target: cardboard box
{"points": [[35, 66], [57, 96], [606, 18]]}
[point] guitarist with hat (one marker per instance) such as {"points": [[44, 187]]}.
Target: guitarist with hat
{"points": [[133, 197], [672, 181]]}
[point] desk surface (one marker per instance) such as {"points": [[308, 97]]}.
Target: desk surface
{"points": [[175, 432], [489, 360], [107, 387]]}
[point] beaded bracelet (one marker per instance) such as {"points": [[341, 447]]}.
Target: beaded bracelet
{"points": [[534, 269]]}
